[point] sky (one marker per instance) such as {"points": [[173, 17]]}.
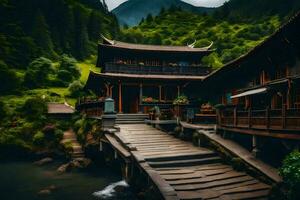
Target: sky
{"points": [[206, 3]]}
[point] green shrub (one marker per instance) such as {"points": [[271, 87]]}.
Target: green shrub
{"points": [[34, 108], [9, 79], [64, 76], [76, 89], [69, 64], [3, 110], [39, 138], [59, 134], [37, 74], [290, 172]]}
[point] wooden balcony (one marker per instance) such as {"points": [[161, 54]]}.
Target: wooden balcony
{"points": [[279, 123], [90, 106], [197, 70]]}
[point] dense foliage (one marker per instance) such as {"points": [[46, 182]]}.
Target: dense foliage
{"points": [[34, 28], [290, 172], [235, 28], [231, 39]]}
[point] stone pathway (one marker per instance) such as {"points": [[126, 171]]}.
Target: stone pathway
{"points": [[70, 136], [183, 171]]}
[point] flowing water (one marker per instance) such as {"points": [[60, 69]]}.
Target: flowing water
{"points": [[24, 180]]}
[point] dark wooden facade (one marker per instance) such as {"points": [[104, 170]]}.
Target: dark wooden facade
{"points": [[260, 91], [139, 77]]}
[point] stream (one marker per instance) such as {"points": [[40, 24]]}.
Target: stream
{"points": [[24, 180]]}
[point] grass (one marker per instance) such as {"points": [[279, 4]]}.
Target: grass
{"points": [[86, 67], [54, 94]]}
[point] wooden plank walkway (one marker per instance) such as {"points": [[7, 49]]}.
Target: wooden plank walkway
{"points": [[183, 171]]}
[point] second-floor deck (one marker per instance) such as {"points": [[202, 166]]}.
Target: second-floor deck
{"points": [[281, 123], [197, 70]]}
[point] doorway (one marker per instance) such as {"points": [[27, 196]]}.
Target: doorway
{"points": [[130, 99]]}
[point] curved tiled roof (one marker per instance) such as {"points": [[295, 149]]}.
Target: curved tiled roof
{"points": [[124, 45]]}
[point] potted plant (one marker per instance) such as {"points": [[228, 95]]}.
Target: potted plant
{"points": [[181, 100]]}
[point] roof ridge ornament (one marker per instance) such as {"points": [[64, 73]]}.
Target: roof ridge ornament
{"points": [[192, 45], [111, 42]]}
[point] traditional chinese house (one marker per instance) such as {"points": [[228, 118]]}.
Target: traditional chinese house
{"points": [[139, 76], [259, 92]]}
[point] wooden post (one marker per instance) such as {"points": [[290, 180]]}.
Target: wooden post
{"points": [[235, 117], [141, 98], [283, 116], [120, 97], [178, 91], [267, 120], [160, 94], [249, 118], [107, 90]]}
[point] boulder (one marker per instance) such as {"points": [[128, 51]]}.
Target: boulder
{"points": [[44, 192], [43, 161], [81, 163], [64, 168]]}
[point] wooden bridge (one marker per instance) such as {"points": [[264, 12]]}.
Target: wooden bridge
{"points": [[180, 170]]}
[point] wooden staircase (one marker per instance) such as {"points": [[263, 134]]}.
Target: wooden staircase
{"points": [[70, 136], [131, 118]]}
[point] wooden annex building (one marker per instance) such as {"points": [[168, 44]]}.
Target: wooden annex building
{"points": [[259, 93], [139, 77]]}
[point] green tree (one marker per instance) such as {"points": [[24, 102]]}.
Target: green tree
{"points": [[94, 26], [41, 35], [81, 45], [34, 108], [69, 64], [76, 89], [37, 74]]}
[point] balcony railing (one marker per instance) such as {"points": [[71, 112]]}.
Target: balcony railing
{"points": [[267, 119], [198, 70], [90, 106]]}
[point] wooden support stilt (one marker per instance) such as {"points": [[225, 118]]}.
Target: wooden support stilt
{"points": [[255, 150], [178, 91], [101, 146], [115, 155]]}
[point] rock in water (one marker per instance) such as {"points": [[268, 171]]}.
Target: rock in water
{"points": [[64, 168], [44, 192], [44, 161]]}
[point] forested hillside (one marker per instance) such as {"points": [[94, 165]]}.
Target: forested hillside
{"points": [[34, 28], [235, 28]]}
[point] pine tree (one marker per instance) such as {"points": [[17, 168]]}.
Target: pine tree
{"points": [[81, 44], [94, 26], [41, 35]]}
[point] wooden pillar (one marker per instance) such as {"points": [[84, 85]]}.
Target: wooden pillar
{"points": [[235, 116], [249, 117], [178, 91], [160, 94], [283, 116], [111, 91], [120, 97], [141, 98], [107, 90], [267, 117]]}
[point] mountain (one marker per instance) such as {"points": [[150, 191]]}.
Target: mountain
{"points": [[133, 11], [235, 27]]}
